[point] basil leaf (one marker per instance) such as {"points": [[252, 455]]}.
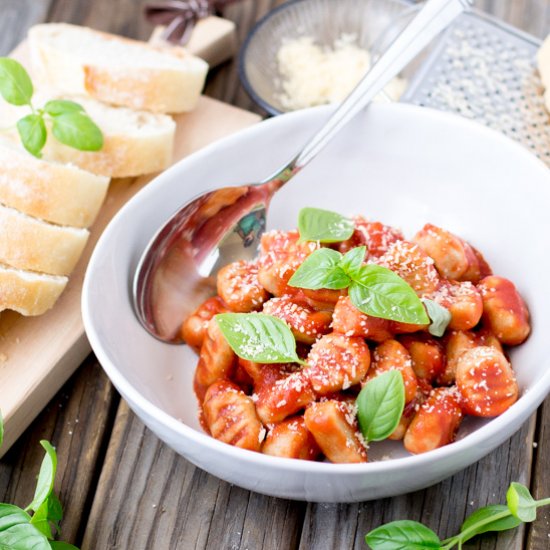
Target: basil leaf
{"points": [[380, 405], [57, 107], [440, 317], [40, 520], [258, 337], [23, 536], [1, 428], [33, 134], [58, 545], [520, 502], [77, 130], [484, 514], [11, 515], [15, 83], [320, 270], [324, 226], [353, 260], [46, 477], [403, 535], [379, 292]]}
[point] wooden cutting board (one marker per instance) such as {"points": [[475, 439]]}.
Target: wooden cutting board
{"points": [[38, 354]]}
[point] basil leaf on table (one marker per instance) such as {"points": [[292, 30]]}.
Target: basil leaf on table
{"points": [[379, 292], [58, 545], [324, 226], [520, 502], [258, 337], [46, 477], [77, 130], [15, 84], [440, 317], [380, 405], [33, 133], [11, 515], [320, 269], [40, 520], [353, 260], [23, 536], [403, 535], [56, 107], [480, 521]]}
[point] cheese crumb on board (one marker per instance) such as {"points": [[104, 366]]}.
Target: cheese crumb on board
{"points": [[314, 75]]}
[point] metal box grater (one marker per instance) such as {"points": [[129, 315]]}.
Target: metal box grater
{"points": [[486, 70]]}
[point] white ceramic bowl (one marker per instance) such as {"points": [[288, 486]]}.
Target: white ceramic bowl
{"points": [[401, 164]]}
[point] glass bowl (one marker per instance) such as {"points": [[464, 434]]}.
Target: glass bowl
{"points": [[374, 23]]}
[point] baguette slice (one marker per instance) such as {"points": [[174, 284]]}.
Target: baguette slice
{"points": [[60, 194], [543, 62], [117, 70], [29, 293], [134, 142], [35, 245]]}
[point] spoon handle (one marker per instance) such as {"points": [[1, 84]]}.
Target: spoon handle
{"points": [[434, 17]]}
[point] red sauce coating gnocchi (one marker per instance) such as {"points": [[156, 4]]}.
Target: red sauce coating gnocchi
{"points": [[427, 356], [334, 427], [376, 236], [436, 422], [291, 439], [413, 265], [217, 361], [504, 310], [306, 323], [309, 411], [194, 327], [239, 288], [336, 362], [231, 417], [391, 355], [454, 258], [486, 382]]}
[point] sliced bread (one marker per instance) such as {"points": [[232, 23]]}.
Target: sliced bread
{"points": [[61, 194], [117, 70], [543, 62], [29, 293], [134, 142], [35, 245]]}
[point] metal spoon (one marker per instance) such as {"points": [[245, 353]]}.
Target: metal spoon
{"points": [[176, 271]]}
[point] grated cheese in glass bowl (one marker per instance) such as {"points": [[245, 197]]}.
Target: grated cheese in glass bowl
{"points": [[312, 52], [311, 74]]}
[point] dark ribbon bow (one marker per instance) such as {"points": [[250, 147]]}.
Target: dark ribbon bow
{"points": [[180, 16]]}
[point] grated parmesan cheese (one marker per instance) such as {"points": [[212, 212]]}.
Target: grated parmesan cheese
{"points": [[314, 75]]}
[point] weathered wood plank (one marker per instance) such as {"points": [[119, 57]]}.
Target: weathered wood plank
{"points": [[149, 497], [16, 16], [539, 531], [75, 422], [442, 507]]}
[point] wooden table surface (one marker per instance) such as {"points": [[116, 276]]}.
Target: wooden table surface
{"points": [[123, 488]]}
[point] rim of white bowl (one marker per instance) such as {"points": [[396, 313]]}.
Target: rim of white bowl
{"points": [[526, 405]]}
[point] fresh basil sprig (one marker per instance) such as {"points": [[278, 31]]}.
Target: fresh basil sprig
{"points": [[21, 531], [373, 289], [411, 535], [69, 122], [440, 317], [259, 337], [324, 226], [380, 405]]}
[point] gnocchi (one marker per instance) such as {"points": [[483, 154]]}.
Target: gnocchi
{"points": [[308, 409]]}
